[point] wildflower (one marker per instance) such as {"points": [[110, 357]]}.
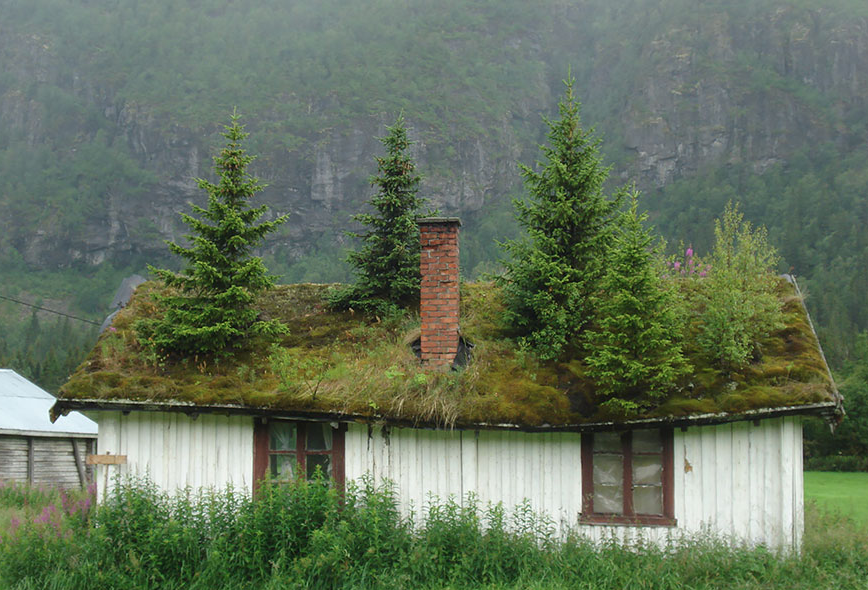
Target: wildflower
{"points": [[689, 252], [677, 265], [112, 329]]}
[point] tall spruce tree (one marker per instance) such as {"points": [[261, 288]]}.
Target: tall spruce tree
{"points": [[634, 343], [556, 266], [387, 264], [211, 309]]}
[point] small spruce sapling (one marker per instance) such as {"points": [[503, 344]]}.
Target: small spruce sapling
{"points": [[210, 307], [553, 270], [387, 264], [740, 304], [635, 356]]}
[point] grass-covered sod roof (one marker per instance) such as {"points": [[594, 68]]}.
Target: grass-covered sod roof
{"points": [[345, 364]]}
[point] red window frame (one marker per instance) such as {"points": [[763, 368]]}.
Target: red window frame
{"points": [[262, 451], [629, 516]]}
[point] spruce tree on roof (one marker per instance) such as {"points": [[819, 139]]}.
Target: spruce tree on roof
{"points": [[556, 266], [387, 264], [211, 307], [634, 344]]}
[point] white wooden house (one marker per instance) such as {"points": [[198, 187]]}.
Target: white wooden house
{"points": [[33, 449], [723, 462]]}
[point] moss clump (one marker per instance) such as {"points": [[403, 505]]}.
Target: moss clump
{"points": [[346, 364]]}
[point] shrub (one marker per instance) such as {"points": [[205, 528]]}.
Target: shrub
{"points": [[740, 305]]}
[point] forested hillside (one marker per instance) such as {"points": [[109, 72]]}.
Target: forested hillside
{"points": [[109, 109]]}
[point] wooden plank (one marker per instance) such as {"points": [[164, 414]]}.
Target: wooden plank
{"points": [[30, 465], [757, 483], [82, 476], [723, 468], [708, 471], [741, 489], [106, 459]]}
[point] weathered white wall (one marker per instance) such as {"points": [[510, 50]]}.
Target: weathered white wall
{"points": [[176, 451], [735, 480], [497, 466]]}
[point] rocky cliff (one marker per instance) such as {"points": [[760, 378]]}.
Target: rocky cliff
{"points": [[675, 95]]}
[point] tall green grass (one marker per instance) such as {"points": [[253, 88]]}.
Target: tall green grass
{"points": [[306, 535]]}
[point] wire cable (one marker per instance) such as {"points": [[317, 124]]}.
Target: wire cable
{"points": [[66, 315]]}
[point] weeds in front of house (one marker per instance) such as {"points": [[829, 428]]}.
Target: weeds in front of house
{"points": [[306, 535]]}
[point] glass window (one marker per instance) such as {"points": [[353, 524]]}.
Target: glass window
{"points": [[628, 477], [298, 449]]}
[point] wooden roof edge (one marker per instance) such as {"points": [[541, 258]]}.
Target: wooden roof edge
{"points": [[826, 410], [836, 395]]}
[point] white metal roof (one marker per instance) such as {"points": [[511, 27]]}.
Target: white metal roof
{"points": [[24, 407]]}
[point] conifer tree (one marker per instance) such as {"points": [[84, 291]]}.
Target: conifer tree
{"points": [[387, 264], [568, 225], [634, 344], [211, 309]]}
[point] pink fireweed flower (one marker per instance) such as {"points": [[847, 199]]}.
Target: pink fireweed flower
{"points": [[677, 265], [689, 252], [703, 273]]}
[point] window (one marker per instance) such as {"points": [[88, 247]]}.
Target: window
{"points": [[287, 449], [627, 477]]}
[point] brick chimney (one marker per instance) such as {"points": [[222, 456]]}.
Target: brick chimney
{"points": [[439, 301]]}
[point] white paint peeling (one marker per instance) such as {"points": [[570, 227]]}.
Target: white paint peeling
{"points": [[738, 480]]}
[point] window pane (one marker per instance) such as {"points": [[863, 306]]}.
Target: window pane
{"points": [[283, 467], [608, 470], [608, 499], [647, 469], [607, 442], [647, 441], [648, 499], [282, 436], [322, 462], [319, 437]]}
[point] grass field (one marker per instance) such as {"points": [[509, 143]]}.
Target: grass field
{"points": [[846, 493]]}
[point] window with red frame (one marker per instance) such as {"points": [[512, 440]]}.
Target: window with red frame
{"points": [[289, 449], [627, 477]]}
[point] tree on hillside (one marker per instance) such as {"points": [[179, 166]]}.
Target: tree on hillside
{"points": [[387, 264], [634, 343], [568, 221], [209, 307]]}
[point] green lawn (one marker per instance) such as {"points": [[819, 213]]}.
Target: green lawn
{"points": [[846, 493]]}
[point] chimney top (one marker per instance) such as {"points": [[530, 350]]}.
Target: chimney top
{"points": [[443, 220]]}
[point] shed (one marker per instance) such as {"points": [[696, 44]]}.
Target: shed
{"points": [[34, 449], [347, 395]]}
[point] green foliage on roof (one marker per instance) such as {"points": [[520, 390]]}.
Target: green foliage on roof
{"points": [[212, 310], [346, 364]]}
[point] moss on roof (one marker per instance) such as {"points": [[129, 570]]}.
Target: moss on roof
{"points": [[346, 364]]}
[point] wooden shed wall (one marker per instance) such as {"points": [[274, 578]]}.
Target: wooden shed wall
{"points": [[176, 451], [44, 460], [738, 480], [735, 480]]}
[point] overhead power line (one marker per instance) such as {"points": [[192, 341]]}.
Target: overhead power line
{"points": [[66, 315]]}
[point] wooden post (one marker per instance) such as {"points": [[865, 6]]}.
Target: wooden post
{"points": [[30, 462], [82, 476]]}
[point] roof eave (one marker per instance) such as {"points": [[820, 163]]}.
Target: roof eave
{"points": [[826, 410]]}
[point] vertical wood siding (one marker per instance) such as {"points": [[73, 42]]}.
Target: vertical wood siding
{"points": [[176, 451], [739, 481]]}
